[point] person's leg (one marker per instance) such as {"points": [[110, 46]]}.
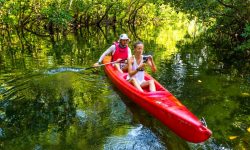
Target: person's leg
{"points": [[152, 86], [125, 68], [149, 83], [135, 83], [117, 66]]}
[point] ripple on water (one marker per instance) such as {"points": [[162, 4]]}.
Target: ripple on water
{"points": [[138, 138], [81, 115], [209, 144], [63, 69]]}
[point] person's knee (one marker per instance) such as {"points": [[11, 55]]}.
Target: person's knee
{"points": [[151, 82], [133, 80], [117, 66], [125, 69]]}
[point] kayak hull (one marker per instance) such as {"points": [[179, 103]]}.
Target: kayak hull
{"points": [[162, 105]]}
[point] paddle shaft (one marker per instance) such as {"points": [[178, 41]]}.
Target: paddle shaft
{"points": [[112, 62]]}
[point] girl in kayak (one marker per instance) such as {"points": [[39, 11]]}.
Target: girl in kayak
{"points": [[120, 51], [136, 66]]}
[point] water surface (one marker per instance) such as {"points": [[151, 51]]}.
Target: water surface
{"points": [[48, 100]]}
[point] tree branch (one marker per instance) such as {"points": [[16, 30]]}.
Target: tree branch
{"points": [[227, 5]]}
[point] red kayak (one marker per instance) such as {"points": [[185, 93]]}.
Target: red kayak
{"points": [[162, 105]]}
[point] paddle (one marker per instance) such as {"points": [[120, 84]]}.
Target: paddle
{"points": [[112, 62], [64, 69]]}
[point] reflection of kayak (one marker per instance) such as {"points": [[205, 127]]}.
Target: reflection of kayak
{"points": [[162, 105]]}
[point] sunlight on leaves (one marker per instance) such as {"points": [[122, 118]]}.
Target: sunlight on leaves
{"points": [[248, 129], [233, 137], [245, 94]]}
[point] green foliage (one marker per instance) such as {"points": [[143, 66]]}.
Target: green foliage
{"points": [[243, 47], [56, 16], [226, 26], [63, 14], [225, 23], [246, 32]]}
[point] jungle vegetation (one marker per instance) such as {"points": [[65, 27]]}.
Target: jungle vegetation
{"points": [[224, 24]]}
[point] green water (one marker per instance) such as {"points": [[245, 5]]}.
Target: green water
{"points": [[48, 102]]}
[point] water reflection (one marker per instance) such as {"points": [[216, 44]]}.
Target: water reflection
{"points": [[209, 93], [118, 109], [70, 108], [30, 105], [57, 109], [179, 74]]}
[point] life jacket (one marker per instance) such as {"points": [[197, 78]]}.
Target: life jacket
{"points": [[120, 52]]}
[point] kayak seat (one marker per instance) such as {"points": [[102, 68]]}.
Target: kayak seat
{"points": [[125, 76]]}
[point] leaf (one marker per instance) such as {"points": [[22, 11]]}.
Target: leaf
{"points": [[232, 137], [245, 94]]}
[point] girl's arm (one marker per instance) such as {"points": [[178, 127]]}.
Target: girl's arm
{"points": [[130, 63], [151, 63]]}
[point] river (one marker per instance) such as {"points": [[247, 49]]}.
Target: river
{"points": [[48, 100]]}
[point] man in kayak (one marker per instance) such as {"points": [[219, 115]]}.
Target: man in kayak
{"points": [[120, 51], [136, 66]]}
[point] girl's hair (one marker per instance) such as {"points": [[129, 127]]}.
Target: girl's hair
{"points": [[137, 43]]}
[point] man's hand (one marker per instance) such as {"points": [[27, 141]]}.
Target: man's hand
{"points": [[118, 60], [96, 65]]}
